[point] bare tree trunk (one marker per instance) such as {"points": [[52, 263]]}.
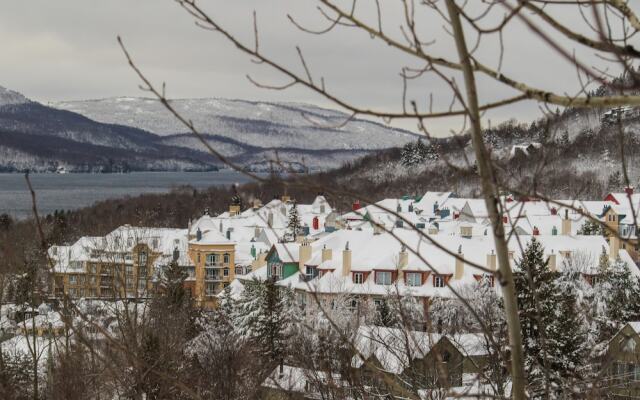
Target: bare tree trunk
{"points": [[491, 196]]}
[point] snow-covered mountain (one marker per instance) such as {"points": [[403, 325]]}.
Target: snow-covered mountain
{"points": [[251, 132], [40, 138]]}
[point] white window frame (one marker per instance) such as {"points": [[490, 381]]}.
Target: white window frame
{"points": [[358, 278], [414, 279], [438, 281], [380, 280]]}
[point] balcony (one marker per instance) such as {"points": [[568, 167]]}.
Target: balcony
{"points": [[106, 282], [213, 278], [216, 265]]}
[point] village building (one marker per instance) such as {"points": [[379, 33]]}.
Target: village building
{"points": [[621, 363]]}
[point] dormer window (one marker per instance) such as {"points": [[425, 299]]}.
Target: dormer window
{"points": [[358, 277], [383, 277], [414, 278], [438, 281]]}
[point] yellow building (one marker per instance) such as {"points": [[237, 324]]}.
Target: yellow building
{"points": [[214, 258], [116, 266]]}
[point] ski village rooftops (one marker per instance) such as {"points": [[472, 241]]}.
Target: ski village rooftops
{"points": [[414, 244]]}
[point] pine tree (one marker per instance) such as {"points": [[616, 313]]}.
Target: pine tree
{"points": [[265, 315], [553, 334], [294, 227], [591, 228], [617, 294]]}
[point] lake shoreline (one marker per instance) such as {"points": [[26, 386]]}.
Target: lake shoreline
{"points": [[72, 191]]}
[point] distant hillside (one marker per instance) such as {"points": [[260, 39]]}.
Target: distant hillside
{"points": [[40, 138], [251, 132], [576, 154]]}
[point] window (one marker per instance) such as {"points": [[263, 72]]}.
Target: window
{"points": [[275, 271], [210, 289], [142, 258], [129, 284], [142, 284], [212, 259], [73, 280], [93, 280], [129, 242], [80, 279], [414, 278], [438, 281], [129, 270], [191, 272], [358, 277], [211, 274], [311, 272], [227, 257], [92, 268], [198, 257], [225, 272], [239, 271], [142, 271], [383, 277]]}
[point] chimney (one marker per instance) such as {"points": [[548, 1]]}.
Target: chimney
{"points": [[327, 254], [505, 219], [554, 211], [536, 231], [614, 247], [459, 264], [628, 190], [377, 228], [304, 255], [552, 261], [234, 209], [257, 203], [491, 260], [285, 198], [403, 261], [346, 261], [566, 224], [260, 261], [356, 205], [270, 219]]}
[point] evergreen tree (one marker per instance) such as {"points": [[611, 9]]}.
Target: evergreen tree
{"points": [[553, 335], [294, 227], [265, 315], [615, 181], [591, 228], [617, 293]]}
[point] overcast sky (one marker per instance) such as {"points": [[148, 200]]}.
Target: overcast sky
{"points": [[67, 49]]}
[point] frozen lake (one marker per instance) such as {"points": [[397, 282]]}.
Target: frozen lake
{"points": [[71, 191]]}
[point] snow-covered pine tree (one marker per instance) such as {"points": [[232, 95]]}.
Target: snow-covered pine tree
{"points": [[264, 315], [247, 310], [407, 156], [224, 314], [294, 227], [551, 329], [591, 228], [617, 293], [272, 322]]}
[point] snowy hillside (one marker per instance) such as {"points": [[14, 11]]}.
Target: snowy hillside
{"points": [[9, 97], [259, 124]]}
